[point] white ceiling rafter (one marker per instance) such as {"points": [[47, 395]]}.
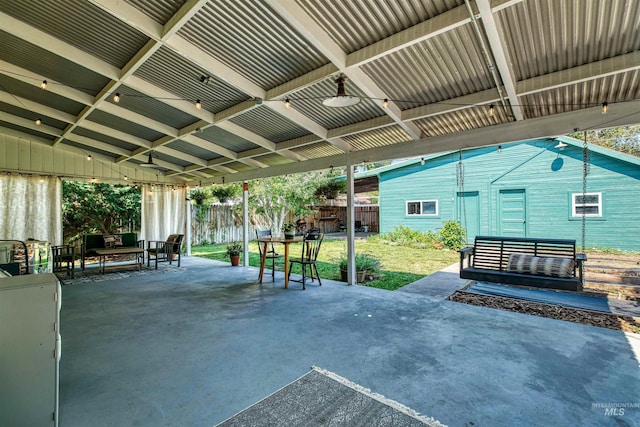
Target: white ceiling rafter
{"points": [[500, 55]]}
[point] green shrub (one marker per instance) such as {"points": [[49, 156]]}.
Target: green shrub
{"points": [[364, 262], [405, 236], [452, 235]]}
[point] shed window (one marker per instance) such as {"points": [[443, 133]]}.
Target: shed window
{"points": [[422, 207], [589, 203]]}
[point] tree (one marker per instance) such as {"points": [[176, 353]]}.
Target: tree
{"points": [[625, 139], [275, 197], [105, 208]]}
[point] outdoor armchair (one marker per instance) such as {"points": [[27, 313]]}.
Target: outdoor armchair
{"points": [[165, 250]]}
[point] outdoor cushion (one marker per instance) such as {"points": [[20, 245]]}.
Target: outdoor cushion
{"points": [[109, 241], [547, 266]]}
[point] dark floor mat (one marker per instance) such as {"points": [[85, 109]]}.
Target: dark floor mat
{"points": [[547, 296]]}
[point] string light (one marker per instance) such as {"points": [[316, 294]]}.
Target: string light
{"points": [[605, 107], [43, 85], [116, 97], [287, 103], [198, 104], [38, 122], [89, 157], [491, 110], [385, 103], [499, 148], [126, 178], [422, 161]]}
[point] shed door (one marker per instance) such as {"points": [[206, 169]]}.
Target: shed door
{"points": [[512, 208], [468, 213]]}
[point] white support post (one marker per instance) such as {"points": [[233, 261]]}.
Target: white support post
{"points": [[188, 226], [351, 249], [245, 222]]}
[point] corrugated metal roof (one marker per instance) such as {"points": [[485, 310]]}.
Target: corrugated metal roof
{"points": [[248, 36], [226, 139], [269, 124], [123, 125], [459, 121], [546, 35], [309, 102], [377, 138], [150, 107], [273, 159], [105, 138], [317, 150], [592, 93], [30, 115], [27, 131], [592, 47], [93, 29], [193, 150], [52, 67], [443, 67], [174, 73], [86, 149], [354, 24], [159, 10]]}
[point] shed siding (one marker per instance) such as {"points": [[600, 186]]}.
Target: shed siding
{"points": [[547, 175]]}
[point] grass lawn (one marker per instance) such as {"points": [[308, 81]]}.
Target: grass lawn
{"points": [[401, 265]]}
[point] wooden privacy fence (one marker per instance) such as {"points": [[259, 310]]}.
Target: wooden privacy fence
{"points": [[329, 218], [219, 224]]}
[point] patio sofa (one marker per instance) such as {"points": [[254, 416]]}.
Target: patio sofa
{"points": [[93, 242]]}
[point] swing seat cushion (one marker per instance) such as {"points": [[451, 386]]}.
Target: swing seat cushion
{"points": [[546, 266]]}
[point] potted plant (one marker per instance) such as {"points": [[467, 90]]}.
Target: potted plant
{"points": [[233, 250], [289, 230], [368, 267], [224, 193], [199, 195]]}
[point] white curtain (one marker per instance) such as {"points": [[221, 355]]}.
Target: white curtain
{"points": [[31, 208], [163, 212]]}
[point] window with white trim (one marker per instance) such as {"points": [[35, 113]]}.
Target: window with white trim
{"points": [[422, 207], [589, 203]]}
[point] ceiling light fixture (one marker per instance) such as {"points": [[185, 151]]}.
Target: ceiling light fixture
{"points": [[116, 97], [43, 85], [560, 145], [149, 163], [341, 99], [198, 104], [205, 79]]}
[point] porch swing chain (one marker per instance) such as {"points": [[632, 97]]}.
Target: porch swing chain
{"points": [[585, 171], [460, 179]]}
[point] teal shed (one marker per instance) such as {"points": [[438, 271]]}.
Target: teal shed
{"points": [[529, 189]]}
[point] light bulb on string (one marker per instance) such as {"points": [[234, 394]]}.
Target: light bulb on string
{"points": [[198, 104], [88, 156], [38, 122], [491, 110], [43, 85], [385, 103], [287, 103], [605, 107], [116, 97]]}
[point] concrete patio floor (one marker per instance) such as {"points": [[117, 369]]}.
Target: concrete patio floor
{"points": [[192, 348]]}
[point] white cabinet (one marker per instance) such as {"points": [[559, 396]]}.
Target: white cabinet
{"points": [[29, 350]]}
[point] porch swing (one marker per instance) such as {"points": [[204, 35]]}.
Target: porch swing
{"points": [[538, 262]]}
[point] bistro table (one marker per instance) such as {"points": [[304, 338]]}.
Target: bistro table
{"points": [[286, 242]]}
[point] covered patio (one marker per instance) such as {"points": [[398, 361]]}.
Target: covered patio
{"points": [[197, 346]]}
